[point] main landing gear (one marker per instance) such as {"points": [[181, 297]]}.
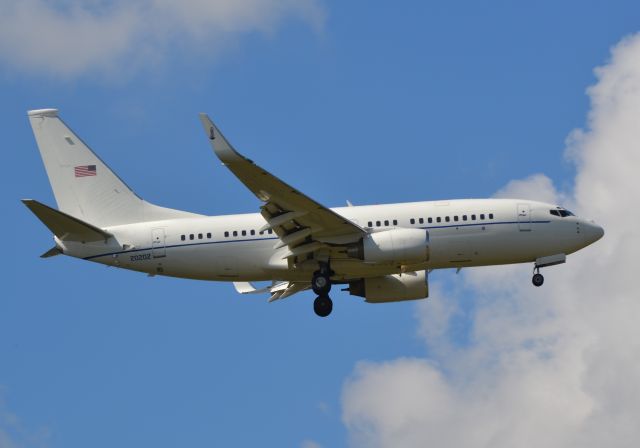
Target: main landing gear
{"points": [[537, 279], [321, 285], [323, 306]]}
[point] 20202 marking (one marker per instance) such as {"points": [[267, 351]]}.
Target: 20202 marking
{"points": [[140, 257]]}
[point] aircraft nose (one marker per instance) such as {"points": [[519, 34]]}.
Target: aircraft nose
{"points": [[593, 231]]}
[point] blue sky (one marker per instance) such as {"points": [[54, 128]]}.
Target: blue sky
{"points": [[370, 102]]}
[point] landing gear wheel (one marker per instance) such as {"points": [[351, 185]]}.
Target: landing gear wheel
{"points": [[537, 279], [322, 306], [321, 284]]}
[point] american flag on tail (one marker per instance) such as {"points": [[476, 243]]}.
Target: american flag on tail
{"points": [[85, 170]]}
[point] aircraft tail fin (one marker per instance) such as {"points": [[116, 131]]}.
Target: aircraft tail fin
{"points": [[65, 227], [83, 185]]}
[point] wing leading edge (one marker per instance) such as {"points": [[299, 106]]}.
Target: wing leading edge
{"points": [[303, 225]]}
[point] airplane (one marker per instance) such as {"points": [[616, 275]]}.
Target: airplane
{"points": [[383, 253]]}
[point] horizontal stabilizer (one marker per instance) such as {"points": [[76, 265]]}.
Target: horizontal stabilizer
{"points": [[64, 226], [248, 288], [51, 252], [287, 289], [278, 291]]}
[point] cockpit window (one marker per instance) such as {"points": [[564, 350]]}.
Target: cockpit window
{"points": [[561, 212]]}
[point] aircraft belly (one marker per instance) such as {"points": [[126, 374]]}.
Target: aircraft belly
{"points": [[237, 261], [483, 245], [258, 261]]}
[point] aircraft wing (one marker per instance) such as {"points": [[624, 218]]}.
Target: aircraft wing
{"points": [[301, 223]]}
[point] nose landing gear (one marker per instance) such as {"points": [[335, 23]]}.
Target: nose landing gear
{"points": [[538, 278], [543, 262]]}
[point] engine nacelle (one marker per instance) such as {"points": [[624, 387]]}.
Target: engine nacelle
{"points": [[392, 288], [403, 246]]}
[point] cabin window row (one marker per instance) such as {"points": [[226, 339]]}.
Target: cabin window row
{"points": [[386, 222], [252, 232], [381, 223], [193, 236], [456, 218], [201, 236]]}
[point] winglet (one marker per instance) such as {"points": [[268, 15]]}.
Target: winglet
{"points": [[220, 145]]}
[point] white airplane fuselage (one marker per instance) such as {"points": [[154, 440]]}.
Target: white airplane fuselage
{"points": [[510, 231], [383, 252]]}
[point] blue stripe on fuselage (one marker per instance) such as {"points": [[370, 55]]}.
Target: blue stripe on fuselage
{"points": [[268, 239]]}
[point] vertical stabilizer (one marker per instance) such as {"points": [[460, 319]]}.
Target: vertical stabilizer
{"points": [[83, 185]]}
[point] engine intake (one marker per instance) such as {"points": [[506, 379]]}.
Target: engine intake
{"points": [[395, 245], [392, 288]]}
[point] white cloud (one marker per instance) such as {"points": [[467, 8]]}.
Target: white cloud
{"points": [[557, 366], [536, 187], [68, 38], [13, 433], [310, 444]]}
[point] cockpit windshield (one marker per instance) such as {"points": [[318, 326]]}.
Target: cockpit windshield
{"points": [[559, 211]]}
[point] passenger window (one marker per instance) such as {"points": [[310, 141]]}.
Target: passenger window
{"points": [[473, 217], [182, 237], [244, 233], [386, 222], [412, 221], [226, 234], [253, 232], [446, 218], [490, 215], [235, 233], [270, 231], [209, 235], [199, 236], [395, 222], [481, 215], [430, 220], [455, 218], [421, 220], [439, 219], [369, 224], [191, 236], [464, 217], [377, 223]]}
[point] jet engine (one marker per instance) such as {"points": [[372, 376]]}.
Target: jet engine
{"points": [[392, 288], [403, 246]]}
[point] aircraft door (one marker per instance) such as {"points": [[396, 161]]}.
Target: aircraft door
{"points": [[524, 217], [157, 242]]}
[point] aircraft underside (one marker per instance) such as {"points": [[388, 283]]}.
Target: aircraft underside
{"points": [[382, 253]]}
